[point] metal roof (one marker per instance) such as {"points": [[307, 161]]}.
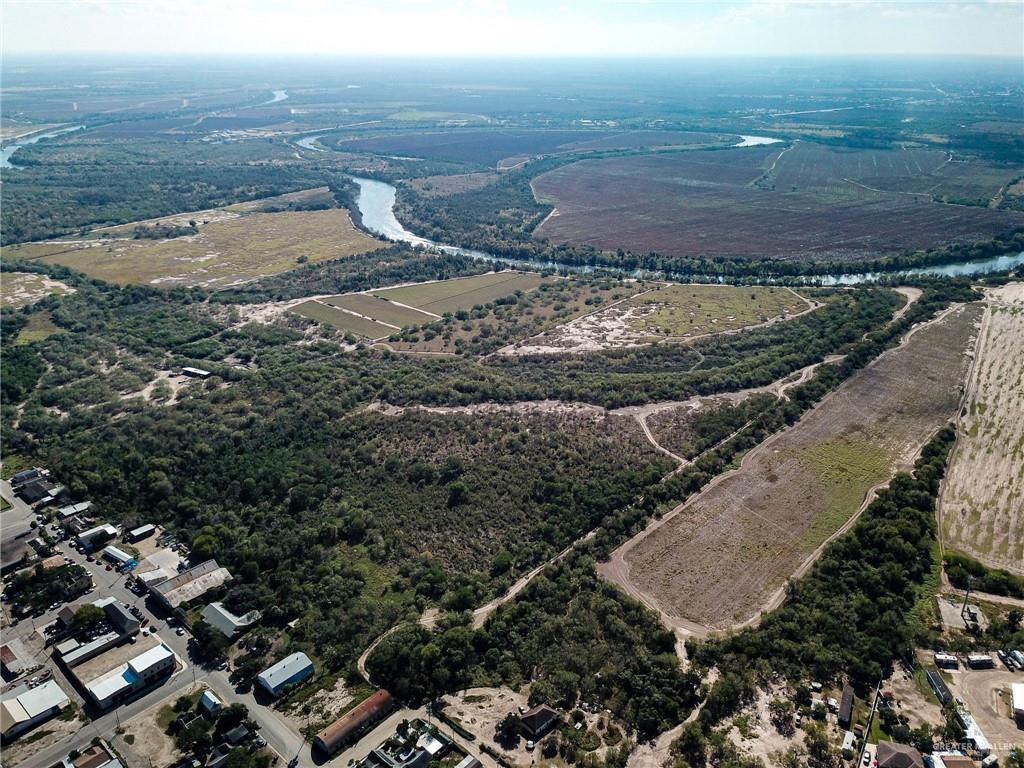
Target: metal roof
{"points": [[284, 669]]}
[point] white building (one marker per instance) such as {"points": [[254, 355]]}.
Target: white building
{"points": [[215, 614], [98, 535], [25, 707], [1017, 696], [126, 679]]}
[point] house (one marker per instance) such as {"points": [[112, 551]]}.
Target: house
{"points": [[96, 756], [469, 762], [846, 706], [12, 660], [216, 615], [237, 735], [65, 513], [195, 373], [291, 670], [893, 755], [26, 476], [218, 756], [140, 533], [190, 584], [38, 491], [538, 721], [209, 702], [26, 707], [354, 723], [96, 537]]}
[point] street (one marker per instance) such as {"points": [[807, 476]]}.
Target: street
{"points": [[279, 735]]}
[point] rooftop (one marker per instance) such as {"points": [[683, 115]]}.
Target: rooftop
{"points": [[190, 584], [114, 657], [284, 669]]}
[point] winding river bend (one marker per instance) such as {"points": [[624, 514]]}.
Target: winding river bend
{"points": [[14, 146], [376, 203]]}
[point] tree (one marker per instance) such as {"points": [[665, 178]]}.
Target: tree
{"points": [[508, 729], [781, 713], [87, 617]]}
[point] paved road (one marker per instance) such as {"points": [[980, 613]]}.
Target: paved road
{"points": [[15, 522], [278, 733]]}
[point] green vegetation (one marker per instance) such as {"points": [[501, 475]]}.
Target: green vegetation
{"points": [[961, 568]]}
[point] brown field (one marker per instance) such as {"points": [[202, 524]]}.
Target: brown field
{"points": [[20, 288], [381, 310], [667, 312], [228, 251], [982, 502], [718, 559], [816, 203]]}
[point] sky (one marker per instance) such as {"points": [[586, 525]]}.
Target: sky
{"points": [[514, 27]]}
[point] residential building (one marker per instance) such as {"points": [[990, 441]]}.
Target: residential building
{"points": [[25, 707], [64, 513], [291, 670], [538, 721], [191, 584], [39, 492], [972, 733], [19, 479], [980, 661], [938, 685], [892, 755], [354, 723], [228, 623], [209, 702], [13, 660]]}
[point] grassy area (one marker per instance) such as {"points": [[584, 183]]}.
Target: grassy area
{"points": [[20, 288], [462, 293], [344, 321], [40, 326], [691, 310], [225, 252], [380, 309]]}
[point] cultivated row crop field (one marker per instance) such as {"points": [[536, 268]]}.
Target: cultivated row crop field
{"points": [[721, 556], [801, 203], [489, 147], [983, 494]]}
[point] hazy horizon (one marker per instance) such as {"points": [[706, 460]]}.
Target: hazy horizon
{"points": [[529, 28]]}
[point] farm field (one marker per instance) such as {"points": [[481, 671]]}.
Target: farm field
{"points": [[20, 288], [982, 499], [227, 251], [669, 312], [481, 313], [461, 293], [506, 147], [729, 203], [345, 321], [718, 559]]}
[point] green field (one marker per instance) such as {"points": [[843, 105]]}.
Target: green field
{"points": [[688, 310], [462, 293], [322, 313], [380, 309]]}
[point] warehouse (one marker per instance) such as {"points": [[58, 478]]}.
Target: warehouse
{"points": [[291, 670], [190, 584], [24, 707], [353, 723]]}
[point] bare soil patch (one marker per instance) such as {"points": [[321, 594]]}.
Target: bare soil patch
{"points": [[982, 502], [718, 558], [18, 289]]}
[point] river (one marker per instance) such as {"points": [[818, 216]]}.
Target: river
{"points": [[10, 149], [376, 203]]}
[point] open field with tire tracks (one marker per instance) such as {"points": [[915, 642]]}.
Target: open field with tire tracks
{"points": [[981, 508], [718, 559]]}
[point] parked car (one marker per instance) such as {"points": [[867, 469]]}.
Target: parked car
{"points": [[179, 631]]}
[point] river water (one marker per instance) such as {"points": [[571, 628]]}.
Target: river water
{"points": [[376, 203], [10, 149]]}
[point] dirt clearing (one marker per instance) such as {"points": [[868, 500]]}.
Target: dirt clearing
{"points": [[18, 289], [982, 504], [720, 557]]}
